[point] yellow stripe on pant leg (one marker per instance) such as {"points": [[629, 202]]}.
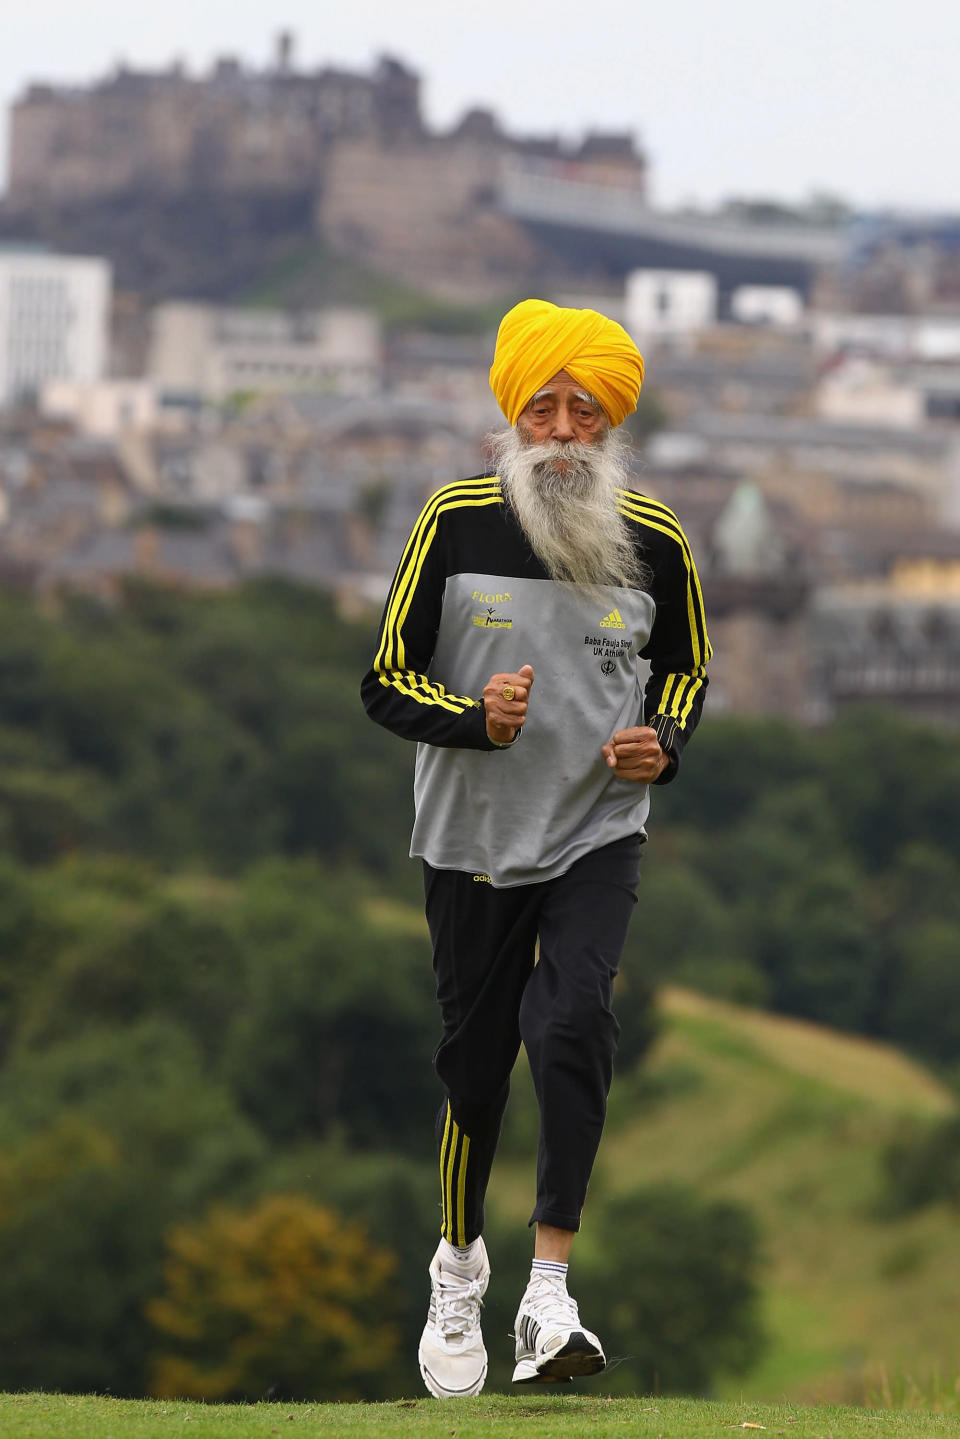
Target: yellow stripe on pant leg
{"points": [[462, 1189], [444, 1153], [449, 1216]]}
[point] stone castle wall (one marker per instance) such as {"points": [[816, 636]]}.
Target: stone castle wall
{"points": [[421, 211], [169, 137]]}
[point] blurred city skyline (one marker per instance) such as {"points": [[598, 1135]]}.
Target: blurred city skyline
{"points": [[745, 99]]}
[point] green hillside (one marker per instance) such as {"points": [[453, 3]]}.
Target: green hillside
{"points": [[792, 1120], [312, 276]]}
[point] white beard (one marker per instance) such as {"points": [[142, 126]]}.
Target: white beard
{"points": [[564, 498]]}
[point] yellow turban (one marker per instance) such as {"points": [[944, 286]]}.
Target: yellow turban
{"points": [[537, 340]]}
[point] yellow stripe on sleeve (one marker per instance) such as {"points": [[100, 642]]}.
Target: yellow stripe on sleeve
{"points": [[466, 493], [661, 518], [419, 688]]}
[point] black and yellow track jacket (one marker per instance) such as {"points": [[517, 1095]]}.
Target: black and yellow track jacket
{"points": [[470, 600]]}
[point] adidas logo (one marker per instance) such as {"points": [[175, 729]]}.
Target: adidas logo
{"points": [[613, 621]]}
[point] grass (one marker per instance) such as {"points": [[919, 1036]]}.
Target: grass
{"points": [[548, 1416]]}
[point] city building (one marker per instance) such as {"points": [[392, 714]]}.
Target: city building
{"points": [[669, 304], [860, 391], [54, 320], [106, 409], [894, 640], [766, 305], [211, 352]]}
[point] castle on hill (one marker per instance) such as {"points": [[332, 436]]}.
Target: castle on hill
{"points": [[353, 151]]}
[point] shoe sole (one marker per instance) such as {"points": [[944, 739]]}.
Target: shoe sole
{"points": [[439, 1391], [578, 1359], [526, 1373]]}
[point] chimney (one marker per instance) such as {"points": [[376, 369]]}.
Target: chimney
{"points": [[285, 52]]}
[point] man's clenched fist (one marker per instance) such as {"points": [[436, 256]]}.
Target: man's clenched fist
{"points": [[505, 699], [635, 754]]}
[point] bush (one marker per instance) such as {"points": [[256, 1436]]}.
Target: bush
{"points": [[922, 1169]]}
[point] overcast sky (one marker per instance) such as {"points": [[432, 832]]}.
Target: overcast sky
{"points": [[748, 97]]}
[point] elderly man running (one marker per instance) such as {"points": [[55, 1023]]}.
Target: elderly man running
{"points": [[508, 650]]}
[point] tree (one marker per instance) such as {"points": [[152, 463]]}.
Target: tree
{"points": [[339, 1020], [691, 1309], [105, 1142], [922, 1167], [282, 1300], [923, 1001], [684, 933], [173, 955], [820, 950]]}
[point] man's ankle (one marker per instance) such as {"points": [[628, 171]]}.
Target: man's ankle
{"points": [[551, 1269], [462, 1257]]}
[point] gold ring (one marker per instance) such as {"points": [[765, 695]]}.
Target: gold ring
{"points": [[508, 692]]}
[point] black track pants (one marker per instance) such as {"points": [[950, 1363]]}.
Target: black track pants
{"points": [[493, 996]]}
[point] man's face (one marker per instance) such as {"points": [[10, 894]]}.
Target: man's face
{"points": [[560, 412], [562, 467]]}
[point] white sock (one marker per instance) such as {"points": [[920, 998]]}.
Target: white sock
{"points": [[464, 1259], [552, 1268]]}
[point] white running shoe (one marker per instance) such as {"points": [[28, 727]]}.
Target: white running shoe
{"points": [[552, 1344], [453, 1360]]}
